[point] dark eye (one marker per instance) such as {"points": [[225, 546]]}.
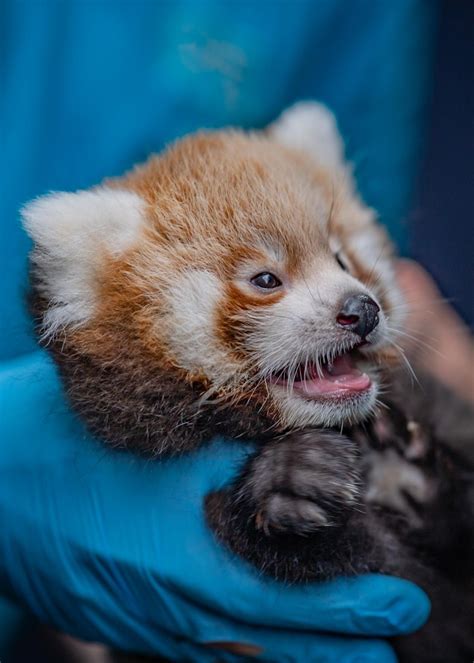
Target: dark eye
{"points": [[266, 280], [341, 262]]}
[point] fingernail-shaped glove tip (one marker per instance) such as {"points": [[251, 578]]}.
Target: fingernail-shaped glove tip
{"points": [[391, 606], [411, 610]]}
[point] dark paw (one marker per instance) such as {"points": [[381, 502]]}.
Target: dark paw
{"points": [[399, 464], [301, 482], [399, 485]]}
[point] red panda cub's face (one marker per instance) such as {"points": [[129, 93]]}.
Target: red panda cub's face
{"points": [[243, 263]]}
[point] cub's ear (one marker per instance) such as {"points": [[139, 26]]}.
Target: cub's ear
{"points": [[73, 234], [310, 127]]}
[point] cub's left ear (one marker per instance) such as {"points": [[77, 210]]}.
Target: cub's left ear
{"points": [[73, 235], [310, 127]]}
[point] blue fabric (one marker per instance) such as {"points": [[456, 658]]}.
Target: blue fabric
{"points": [[115, 548], [90, 88]]}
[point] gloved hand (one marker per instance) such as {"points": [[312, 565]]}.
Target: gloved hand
{"points": [[114, 548]]}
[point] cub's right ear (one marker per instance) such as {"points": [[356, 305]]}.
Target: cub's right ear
{"points": [[73, 234], [311, 128]]}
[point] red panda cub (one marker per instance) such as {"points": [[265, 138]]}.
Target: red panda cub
{"points": [[237, 285]]}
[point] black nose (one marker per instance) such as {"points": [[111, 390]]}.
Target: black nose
{"points": [[359, 313]]}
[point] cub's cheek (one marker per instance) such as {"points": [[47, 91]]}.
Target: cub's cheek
{"points": [[192, 306], [189, 306]]}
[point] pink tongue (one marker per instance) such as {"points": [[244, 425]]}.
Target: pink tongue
{"points": [[340, 376]]}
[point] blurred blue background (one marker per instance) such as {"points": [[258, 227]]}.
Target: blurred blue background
{"points": [[87, 89]]}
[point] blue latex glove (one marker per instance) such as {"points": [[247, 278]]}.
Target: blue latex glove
{"points": [[114, 548]]}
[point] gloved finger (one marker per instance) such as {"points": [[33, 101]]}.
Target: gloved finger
{"points": [[234, 642], [272, 644], [374, 605], [222, 640], [354, 606]]}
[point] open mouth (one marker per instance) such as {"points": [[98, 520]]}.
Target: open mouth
{"points": [[337, 378]]}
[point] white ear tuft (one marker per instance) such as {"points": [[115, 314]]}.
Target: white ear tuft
{"points": [[311, 128], [73, 233]]}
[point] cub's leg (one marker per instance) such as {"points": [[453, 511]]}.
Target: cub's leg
{"points": [[295, 511]]}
